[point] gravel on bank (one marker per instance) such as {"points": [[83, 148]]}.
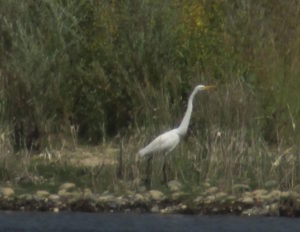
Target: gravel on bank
{"points": [[212, 201]]}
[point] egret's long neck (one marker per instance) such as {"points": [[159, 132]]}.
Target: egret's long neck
{"points": [[182, 129]]}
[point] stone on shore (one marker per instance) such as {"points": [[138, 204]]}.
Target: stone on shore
{"points": [[274, 195], [174, 185], [67, 190], [54, 197], [221, 196], [155, 209], [259, 192], [247, 200], [139, 198], [87, 193], [106, 198], [7, 192], [156, 195], [209, 199], [67, 186], [68, 195], [198, 200], [260, 195], [42, 193]]}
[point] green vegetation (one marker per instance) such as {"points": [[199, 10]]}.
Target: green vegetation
{"points": [[105, 73]]}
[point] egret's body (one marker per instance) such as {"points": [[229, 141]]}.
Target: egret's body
{"points": [[167, 141]]}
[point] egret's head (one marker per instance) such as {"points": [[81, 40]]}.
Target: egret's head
{"points": [[204, 87]]}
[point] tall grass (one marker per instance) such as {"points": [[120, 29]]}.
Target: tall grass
{"points": [[226, 149], [88, 71]]}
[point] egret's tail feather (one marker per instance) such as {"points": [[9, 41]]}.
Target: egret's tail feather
{"points": [[142, 152], [146, 150]]}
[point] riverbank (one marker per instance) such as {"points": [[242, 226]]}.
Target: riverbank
{"points": [[69, 198], [107, 179]]}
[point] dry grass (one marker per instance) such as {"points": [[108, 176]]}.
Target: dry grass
{"points": [[213, 157]]}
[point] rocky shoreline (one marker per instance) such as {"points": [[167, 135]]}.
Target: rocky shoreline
{"points": [[68, 198]]}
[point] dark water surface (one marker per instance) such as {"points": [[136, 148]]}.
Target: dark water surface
{"points": [[37, 221]]}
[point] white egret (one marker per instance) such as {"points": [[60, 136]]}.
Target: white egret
{"points": [[167, 141]]}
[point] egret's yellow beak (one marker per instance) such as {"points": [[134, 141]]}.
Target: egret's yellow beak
{"points": [[207, 87]]}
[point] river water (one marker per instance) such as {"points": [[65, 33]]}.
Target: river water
{"points": [[46, 222]]}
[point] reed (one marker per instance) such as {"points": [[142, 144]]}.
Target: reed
{"points": [[90, 73]]}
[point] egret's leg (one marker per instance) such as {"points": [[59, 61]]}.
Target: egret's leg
{"points": [[165, 180], [148, 172]]}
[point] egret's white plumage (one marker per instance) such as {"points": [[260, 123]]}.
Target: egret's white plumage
{"points": [[167, 141]]}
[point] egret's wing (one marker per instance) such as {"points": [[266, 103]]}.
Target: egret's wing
{"points": [[164, 142]]}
